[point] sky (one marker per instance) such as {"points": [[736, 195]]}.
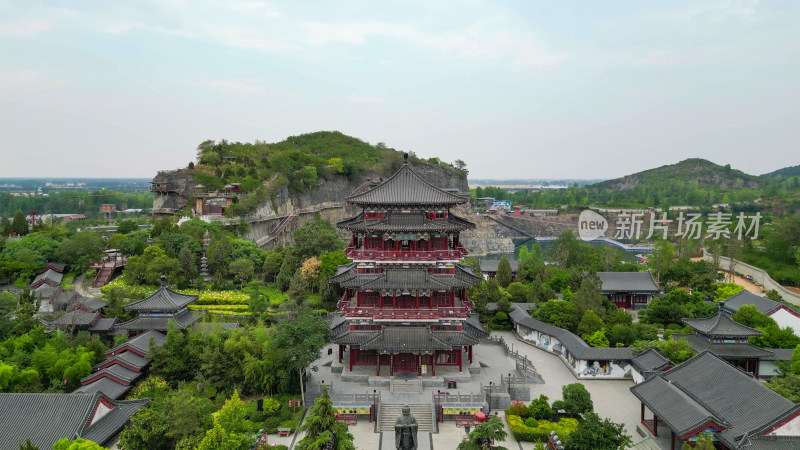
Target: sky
{"points": [[516, 89]]}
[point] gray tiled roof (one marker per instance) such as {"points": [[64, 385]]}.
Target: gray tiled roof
{"points": [[129, 358], [159, 323], [779, 354], [164, 299], [116, 371], [731, 350], [762, 304], [406, 222], [412, 339], [109, 425], [574, 344], [650, 360], [49, 276], [90, 303], [396, 279], [627, 282], [106, 386], [46, 418], [405, 187], [77, 318], [721, 324], [490, 265], [141, 342], [58, 267], [105, 324], [707, 385]]}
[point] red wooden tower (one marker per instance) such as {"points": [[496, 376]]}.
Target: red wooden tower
{"points": [[405, 307]]}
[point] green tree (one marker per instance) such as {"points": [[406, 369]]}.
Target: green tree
{"points": [[590, 323], [19, 225], [677, 351], [300, 341], [589, 297], [776, 337], [560, 313], [661, 258], [77, 444], [750, 316], [242, 270], [81, 249], [127, 226], [577, 400], [187, 263], [726, 290], [704, 442], [321, 425], [147, 431], [597, 339], [484, 436], [272, 263], [28, 445], [596, 434], [503, 275], [774, 295], [540, 408]]}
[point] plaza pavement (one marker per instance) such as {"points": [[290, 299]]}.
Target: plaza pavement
{"points": [[612, 398]]}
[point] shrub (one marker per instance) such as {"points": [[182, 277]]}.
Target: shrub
{"points": [[539, 433], [271, 406], [530, 422]]}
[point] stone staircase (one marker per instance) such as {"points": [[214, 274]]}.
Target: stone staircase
{"points": [[422, 412], [406, 386]]}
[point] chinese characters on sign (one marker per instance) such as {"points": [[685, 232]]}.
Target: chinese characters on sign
{"points": [[689, 226]]}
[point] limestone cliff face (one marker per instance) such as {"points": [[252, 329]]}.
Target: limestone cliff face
{"points": [[266, 225]]}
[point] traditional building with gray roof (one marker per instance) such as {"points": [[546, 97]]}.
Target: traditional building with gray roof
{"points": [[47, 418], [629, 290], [159, 309], [488, 267], [706, 394], [582, 359], [728, 339], [649, 363], [782, 314], [405, 307]]}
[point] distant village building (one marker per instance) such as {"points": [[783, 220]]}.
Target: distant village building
{"points": [[629, 290], [708, 395], [783, 315], [488, 267], [405, 307], [47, 418], [108, 209]]}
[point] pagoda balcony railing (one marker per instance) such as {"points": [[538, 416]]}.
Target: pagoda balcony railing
{"points": [[389, 313], [405, 255], [396, 314]]}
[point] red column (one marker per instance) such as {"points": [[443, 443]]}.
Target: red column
{"points": [[417, 301], [394, 301], [655, 425], [459, 359], [352, 354], [470, 354], [672, 445], [419, 366], [391, 364], [377, 364], [642, 412]]}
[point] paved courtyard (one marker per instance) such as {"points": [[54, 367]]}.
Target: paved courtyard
{"points": [[612, 398]]}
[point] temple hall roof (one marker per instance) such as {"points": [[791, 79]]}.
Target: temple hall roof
{"points": [[406, 187], [721, 324]]}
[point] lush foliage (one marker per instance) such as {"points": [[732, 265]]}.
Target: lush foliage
{"points": [[321, 427], [484, 437], [542, 428], [596, 434]]}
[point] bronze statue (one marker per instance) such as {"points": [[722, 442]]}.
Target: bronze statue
{"points": [[405, 431]]}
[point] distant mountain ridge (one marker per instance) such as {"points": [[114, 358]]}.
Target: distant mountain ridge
{"points": [[701, 171], [791, 171]]}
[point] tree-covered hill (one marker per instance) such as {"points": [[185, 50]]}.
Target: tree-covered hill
{"points": [[297, 162], [697, 171], [791, 171]]}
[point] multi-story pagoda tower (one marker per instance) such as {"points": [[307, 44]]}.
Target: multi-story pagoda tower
{"points": [[405, 307]]}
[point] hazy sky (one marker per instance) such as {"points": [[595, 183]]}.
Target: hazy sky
{"points": [[543, 89]]}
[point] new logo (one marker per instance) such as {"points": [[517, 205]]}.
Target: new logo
{"points": [[591, 225]]}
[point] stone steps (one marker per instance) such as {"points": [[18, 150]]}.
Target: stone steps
{"points": [[406, 386], [422, 412]]}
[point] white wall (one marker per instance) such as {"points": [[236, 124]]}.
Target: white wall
{"points": [[759, 277], [786, 319]]}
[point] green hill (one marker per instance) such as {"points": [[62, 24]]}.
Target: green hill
{"points": [[297, 162], [791, 171], [695, 171]]}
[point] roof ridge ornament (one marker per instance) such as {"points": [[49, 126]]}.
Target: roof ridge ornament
{"points": [[405, 158]]}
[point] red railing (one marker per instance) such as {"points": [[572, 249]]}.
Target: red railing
{"points": [[377, 313], [393, 255], [344, 305]]}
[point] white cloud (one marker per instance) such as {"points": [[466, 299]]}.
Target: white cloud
{"points": [[234, 87], [24, 27]]}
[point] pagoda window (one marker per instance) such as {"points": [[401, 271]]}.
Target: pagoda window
{"points": [[405, 246], [439, 243], [373, 243], [422, 244], [368, 299], [425, 302], [369, 270], [386, 302], [442, 299], [365, 357], [406, 302], [374, 215], [437, 215], [364, 327]]}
